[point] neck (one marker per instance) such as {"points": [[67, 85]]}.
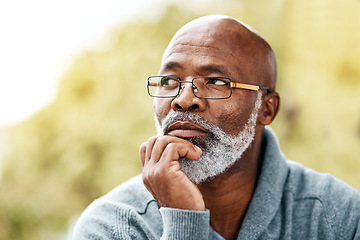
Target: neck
{"points": [[227, 196]]}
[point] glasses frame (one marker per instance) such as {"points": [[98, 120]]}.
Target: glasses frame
{"points": [[232, 85]]}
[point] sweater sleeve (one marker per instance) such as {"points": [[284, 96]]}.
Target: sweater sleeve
{"points": [[185, 224], [96, 222]]}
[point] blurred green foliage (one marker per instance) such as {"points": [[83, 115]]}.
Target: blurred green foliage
{"points": [[86, 142]]}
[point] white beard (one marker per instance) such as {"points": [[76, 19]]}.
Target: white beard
{"points": [[220, 150]]}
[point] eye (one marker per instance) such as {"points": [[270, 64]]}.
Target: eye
{"points": [[217, 81], [168, 81]]}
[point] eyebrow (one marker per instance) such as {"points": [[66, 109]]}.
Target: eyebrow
{"points": [[213, 68], [171, 65]]}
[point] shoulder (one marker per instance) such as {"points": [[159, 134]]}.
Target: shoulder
{"points": [[132, 193], [305, 182], [113, 213], [324, 195]]}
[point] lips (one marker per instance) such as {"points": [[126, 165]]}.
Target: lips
{"points": [[185, 129]]}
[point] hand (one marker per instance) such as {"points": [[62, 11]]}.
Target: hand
{"points": [[162, 175]]}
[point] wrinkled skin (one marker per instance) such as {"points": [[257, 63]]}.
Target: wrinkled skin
{"points": [[211, 46]]}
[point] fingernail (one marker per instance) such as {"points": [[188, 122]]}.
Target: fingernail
{"points": [[198, 148]]}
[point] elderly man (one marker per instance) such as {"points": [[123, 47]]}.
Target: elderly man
{"points": [[215, 171]]}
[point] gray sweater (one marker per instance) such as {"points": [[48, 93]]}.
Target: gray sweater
{"points": [[289, 202]]}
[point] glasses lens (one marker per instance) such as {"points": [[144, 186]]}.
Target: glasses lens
{"points": [[212, 87], [163, 86]]}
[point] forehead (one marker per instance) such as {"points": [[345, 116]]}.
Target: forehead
{"points": [[202, 56]]}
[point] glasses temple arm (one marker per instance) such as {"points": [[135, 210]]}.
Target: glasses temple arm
{"points": [[249, 86]]}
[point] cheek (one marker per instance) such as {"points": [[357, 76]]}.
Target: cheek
{"points": [[161, 108], [233, 118]]}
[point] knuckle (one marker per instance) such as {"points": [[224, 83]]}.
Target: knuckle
{"points": [[172, 147], [142, 147], [152, 139], [150, 173], [154, 174], [147, 175], [145, 178], [162, 139], [158, 173]]}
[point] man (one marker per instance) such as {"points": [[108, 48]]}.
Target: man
{"points": [[215, 171]]}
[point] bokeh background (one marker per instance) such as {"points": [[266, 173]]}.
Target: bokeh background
{"points": [[85, 141]]}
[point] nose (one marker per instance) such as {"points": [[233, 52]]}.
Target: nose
{"points": [[187, 101]]}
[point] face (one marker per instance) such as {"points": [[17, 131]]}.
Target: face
{"points": [[224, 127]]}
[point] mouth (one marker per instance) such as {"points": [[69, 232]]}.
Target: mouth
{"points": [[185, 129]]}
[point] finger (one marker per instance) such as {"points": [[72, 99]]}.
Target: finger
{"points": [[149, 148], [174, 151], [142, 151], [193, 154], [176, 143], [146, 179], [160, 145]]}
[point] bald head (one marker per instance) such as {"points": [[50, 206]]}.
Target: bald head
{"points": [[254, 57]]}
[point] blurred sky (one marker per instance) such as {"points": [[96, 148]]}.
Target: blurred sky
{"points": [[38, 40]]}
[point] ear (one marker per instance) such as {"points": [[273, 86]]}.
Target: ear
{"points": [[269, 108]]}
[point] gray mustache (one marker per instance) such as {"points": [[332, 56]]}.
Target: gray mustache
{"points": [[186, 116]]}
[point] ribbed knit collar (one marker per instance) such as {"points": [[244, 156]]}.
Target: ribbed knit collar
{"points": [[267, 196]]}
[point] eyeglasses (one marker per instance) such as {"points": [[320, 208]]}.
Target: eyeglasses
{"points": [[203, 87]]}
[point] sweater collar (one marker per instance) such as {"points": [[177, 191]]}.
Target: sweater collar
{"points": [[267, 196]]}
